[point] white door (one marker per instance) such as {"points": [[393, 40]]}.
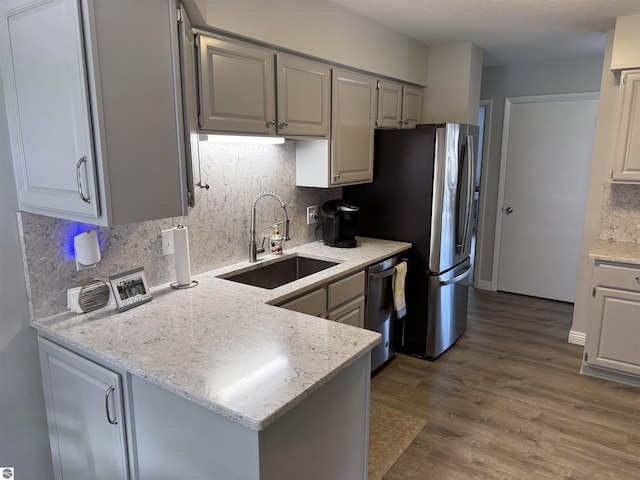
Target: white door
{"points": [[546, 160]]}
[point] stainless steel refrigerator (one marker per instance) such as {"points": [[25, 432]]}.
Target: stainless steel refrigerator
{"points": [[422, 192]]}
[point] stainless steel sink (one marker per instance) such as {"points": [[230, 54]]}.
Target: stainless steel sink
{"points": [[278, 273]]}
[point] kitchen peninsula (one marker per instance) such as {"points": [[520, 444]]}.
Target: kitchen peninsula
{"points": [[219, 383]]}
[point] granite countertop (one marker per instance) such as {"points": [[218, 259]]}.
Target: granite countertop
{"points": [[223, 345], [618, 252]]}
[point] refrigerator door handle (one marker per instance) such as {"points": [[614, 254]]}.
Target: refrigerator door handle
{"points": [[457, 278], [470, 189], [463, 188]]}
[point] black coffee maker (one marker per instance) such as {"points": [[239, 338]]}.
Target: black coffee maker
{"points": [[339, 223]]}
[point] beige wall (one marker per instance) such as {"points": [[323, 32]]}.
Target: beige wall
{"points": [[323, 30], [453, 87]]}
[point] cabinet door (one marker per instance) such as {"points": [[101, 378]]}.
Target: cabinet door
{"points": [[627, 146], [353, 115], [237, 87], [411, 106], [389, 105], [190, 107], [304, 91], [84, 412], [47, 104], [613, 340], [351, 313]]}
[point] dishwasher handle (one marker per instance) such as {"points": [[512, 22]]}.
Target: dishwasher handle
{"points": [[386, 273]]}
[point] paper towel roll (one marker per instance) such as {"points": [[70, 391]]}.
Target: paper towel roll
{"points": [[87, 248], [181, 249]]}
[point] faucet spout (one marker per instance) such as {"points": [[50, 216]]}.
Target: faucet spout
{"points": [[253, 246]]}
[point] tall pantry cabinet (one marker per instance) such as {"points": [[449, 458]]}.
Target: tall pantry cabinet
{"points": [[93, 90]]}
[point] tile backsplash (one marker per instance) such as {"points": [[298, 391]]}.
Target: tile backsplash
{"points": [[620, 215], [218, 225]]}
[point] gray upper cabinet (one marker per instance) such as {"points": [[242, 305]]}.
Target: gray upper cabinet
{"points": [[399, 106], [188, 61], [304, 97], [347, 157], [94, 101], [411, 106], [237, 86], [353, 114], [238, 91], [626, 157]]}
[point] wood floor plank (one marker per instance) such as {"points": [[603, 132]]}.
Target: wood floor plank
{"points": [[508, 402]]}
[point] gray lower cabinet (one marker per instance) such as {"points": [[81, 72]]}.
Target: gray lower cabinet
{"points": [[85, 414], [342, 301], [611, 349], [93, 92], [106, 425]]}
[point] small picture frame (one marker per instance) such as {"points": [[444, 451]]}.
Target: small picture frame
{"points": [[130, 289]]}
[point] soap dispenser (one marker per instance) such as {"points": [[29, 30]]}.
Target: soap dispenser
{"points": [[276, 241]]}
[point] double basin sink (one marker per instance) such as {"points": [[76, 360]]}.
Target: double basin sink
{"points": [[280, 272]]}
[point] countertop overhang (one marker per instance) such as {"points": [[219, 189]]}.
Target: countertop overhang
{"points": [[223, 345], [616, 252]]}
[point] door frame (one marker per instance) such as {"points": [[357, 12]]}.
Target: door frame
{"points": [[482, 201], [508, 102]]}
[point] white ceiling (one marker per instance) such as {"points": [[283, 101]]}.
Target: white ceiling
{"points": [[509, 31]]}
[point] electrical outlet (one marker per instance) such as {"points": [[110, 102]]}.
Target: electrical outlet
{"points": [[167, 242], [312, 214]]}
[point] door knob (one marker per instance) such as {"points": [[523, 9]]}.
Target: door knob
{"points": [[508, 210]]}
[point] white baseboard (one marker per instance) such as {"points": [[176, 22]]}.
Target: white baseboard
{"points": [[482, 285], [577, 338]]}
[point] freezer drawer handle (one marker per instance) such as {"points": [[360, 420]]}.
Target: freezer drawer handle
{"points": [[458, 278]]}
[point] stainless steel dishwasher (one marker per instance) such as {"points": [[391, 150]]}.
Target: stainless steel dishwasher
{"points": [[380, 314]]}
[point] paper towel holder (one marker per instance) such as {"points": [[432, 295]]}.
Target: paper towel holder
{"points": [[87, 250]]}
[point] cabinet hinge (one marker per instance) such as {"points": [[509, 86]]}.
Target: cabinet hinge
{"points": [[378, 85], [623, 79], [611, 174], [593, 292], [179, 15], [586, 357]]}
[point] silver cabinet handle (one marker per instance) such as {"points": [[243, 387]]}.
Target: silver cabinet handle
{"points": [[79, 179], [638, 278], [106, 405], [509, 210], [270, 123], [336, 176], [283, 124]]}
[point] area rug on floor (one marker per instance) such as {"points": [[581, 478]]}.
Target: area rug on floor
{"points": [[390, 433]]}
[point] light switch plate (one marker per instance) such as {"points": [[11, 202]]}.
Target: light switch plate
{"points": [[312, 214], [167, 242]]}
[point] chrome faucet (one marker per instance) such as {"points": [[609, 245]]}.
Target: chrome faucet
{"points": [[253, 246]]}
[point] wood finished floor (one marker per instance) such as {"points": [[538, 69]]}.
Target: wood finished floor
{"points": [[508, 402]]}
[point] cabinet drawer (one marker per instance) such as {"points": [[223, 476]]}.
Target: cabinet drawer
{"points": [[345, 289], [313, 303], [627, 278]]}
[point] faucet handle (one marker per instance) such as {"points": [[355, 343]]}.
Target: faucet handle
{"points": [[285, 230], [261, 249]]}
